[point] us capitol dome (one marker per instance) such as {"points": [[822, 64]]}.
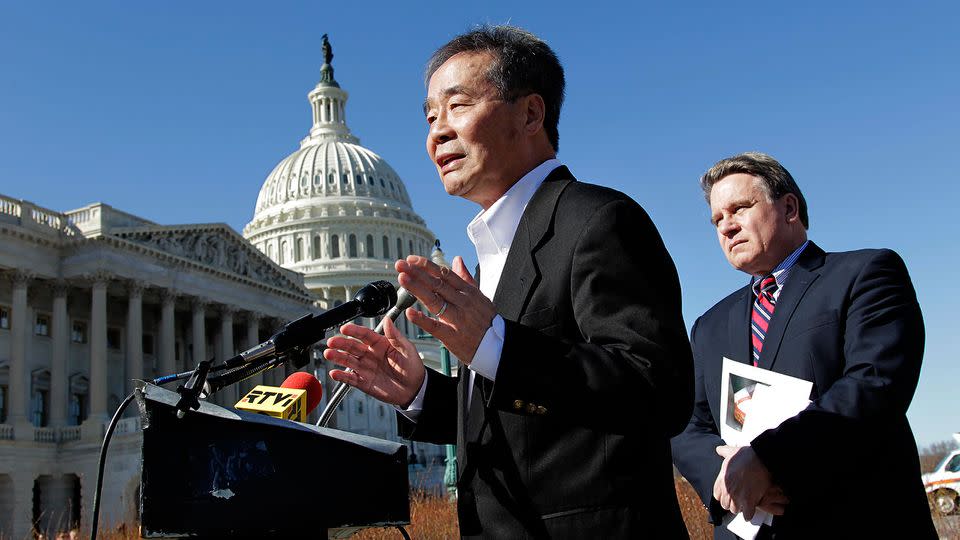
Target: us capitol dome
{"points": [[334, 210], [339, 214]]}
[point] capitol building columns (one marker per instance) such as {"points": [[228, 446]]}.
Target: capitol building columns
{"points": [[59, 358], [61, 343], [198, 333], [167, 342], [18, 350], [134, 367], [98, 348], [228, 395]]}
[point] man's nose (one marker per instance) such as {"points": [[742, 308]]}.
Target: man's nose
{"points": [[440, 131], [727, 227]]}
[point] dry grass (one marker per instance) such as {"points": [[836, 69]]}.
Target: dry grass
{"points": [[430, 517], [433, 517], [694, 514]]}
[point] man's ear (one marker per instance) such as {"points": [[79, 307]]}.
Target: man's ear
{"points": [[533, 110], [791, 208]]}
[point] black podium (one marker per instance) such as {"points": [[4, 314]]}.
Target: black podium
{"points": [[219, 473]]}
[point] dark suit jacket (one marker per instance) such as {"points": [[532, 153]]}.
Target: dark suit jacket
{"points": [[595, 376], [850, 323]]}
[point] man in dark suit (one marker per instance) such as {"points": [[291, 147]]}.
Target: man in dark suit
{"points": [[576, 369], [846, 466]]}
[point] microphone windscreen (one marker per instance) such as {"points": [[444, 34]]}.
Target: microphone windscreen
{"points": [[301, 380]]}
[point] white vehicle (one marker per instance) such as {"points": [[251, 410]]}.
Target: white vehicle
{"points": [[943, 484]]}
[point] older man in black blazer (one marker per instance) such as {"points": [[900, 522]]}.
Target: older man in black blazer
{"points": [[576, 368], [846, 466]]}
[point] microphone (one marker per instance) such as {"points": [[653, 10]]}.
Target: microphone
{"points": [[372, 300], [404, 300], [436, 256], [306, 381], [292, 341], [293, 400]]}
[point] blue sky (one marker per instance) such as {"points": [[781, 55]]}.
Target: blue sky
{"points": [[177, 111]]}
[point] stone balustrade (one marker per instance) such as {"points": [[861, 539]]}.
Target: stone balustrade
{"points": [[29, 215], [70, 433], [127, 425], [45, 435]]}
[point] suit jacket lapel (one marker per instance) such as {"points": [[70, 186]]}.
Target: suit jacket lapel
{"points": [[521, 271], [463, 377], [739, 329], [802, 275], [463, 406]]}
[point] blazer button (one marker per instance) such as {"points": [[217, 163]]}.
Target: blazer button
{"points": [[518, 404], [531, 408], [541, 410]]}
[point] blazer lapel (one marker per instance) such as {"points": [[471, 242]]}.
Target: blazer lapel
{"points": [[739, 329], [462, 378], [521, 271], [463, 406], [802, 275]]}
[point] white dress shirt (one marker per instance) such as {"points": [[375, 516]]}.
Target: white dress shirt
{"points": [[492, 232]]}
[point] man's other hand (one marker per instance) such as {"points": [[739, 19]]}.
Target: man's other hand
{"points": [[774, 501], [462, 313], [743, 481]]}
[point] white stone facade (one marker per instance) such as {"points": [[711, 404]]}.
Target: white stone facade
{"points": [[90, 300]]}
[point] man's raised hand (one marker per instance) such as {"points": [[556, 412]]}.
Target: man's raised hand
{"points": [[463, 313], [385, 367]]}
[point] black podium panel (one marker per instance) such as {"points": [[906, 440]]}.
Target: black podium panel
{"points": [[220, 472]]}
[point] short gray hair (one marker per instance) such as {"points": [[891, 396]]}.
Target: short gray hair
{"points": [[775, 178], [524, 64]]}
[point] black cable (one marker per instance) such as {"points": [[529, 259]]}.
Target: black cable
{"points": [[103, 462], [403, 532], [185, 375]]}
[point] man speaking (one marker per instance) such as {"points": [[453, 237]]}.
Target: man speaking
{"points": [[577, 366]]}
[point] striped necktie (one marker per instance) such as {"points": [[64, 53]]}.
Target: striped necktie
{"points": [[763, 308]]}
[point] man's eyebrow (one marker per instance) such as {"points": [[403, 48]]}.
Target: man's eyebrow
{"points": [[445, 93], [745, 201]]}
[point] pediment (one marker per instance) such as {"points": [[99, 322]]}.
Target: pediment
{"points": [[216, 246]]}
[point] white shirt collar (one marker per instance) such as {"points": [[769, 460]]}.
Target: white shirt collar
{"points": [[493, 229]]}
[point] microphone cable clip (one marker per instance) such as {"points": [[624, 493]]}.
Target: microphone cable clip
{"points": [[191, 390]]}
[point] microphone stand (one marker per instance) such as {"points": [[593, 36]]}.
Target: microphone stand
{"points": [[198, 384], [404, 300], [201, 385]]}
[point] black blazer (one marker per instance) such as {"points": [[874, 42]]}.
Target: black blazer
{"points": [[595, 376], [850, 323]]}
